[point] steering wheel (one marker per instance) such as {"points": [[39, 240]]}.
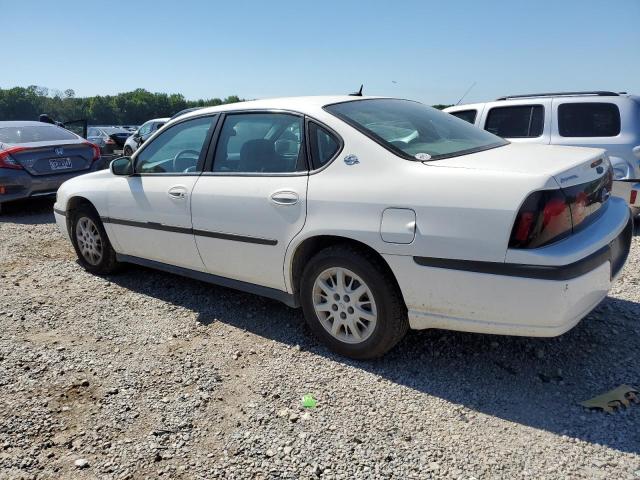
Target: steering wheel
{"points": [[177, 158]]}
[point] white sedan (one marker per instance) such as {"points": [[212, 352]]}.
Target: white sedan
{"points": [[375, 215]]}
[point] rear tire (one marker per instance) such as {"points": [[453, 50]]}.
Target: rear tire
{"points": [[91, 243], [352, 303]]}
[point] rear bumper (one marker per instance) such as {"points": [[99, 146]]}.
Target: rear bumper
{"points": [[19, 184], [544, 300]]}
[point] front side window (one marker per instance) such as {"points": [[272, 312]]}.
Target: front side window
{"points": [[260, 143], [145, 129], [588, 120], [412, 130], [176, 150], [466, 115], [518, 121], [323, 145]]}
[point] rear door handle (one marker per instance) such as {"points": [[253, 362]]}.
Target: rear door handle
{"points": [[285, 197], [178, 192]]}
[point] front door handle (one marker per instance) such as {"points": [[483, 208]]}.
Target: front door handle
{"points": [[285, 197], [177, 193]]}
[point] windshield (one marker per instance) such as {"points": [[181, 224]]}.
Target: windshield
{"points": [[413, 130], [39, 133]]}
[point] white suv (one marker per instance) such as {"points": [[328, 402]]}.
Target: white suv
{"points": [[584, 119], [375, 215]]}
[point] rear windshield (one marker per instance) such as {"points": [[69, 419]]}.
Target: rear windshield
{"points": [[413, 130], [36, 133]]}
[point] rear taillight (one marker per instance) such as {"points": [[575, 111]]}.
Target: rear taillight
{"points": [[544, 217], [633, 197], [5, 158], [110, 141], [96, 150]]}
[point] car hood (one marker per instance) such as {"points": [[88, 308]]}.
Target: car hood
{"points": [[568, 165]]}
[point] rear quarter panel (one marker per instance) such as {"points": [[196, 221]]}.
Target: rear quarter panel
{"points": [[460, 213]]}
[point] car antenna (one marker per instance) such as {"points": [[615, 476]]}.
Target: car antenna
{"points": [[358, 93], [465, 93]]}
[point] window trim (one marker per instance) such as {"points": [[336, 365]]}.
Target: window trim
{"points": [[531, 105], [560, 105], [392, 149], [313, 170], [201, 159]]}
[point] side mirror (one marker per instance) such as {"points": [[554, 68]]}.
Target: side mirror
{"points": [[122, 166]]}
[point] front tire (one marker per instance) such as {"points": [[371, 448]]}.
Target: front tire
{"points": [[91, 243], [352, 303], [127, 152]]}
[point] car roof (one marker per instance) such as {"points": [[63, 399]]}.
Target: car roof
{"points": [[25, 123], [298, 104]]}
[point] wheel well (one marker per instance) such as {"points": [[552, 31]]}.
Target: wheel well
{"points": [[309, 247], [75, 203]]}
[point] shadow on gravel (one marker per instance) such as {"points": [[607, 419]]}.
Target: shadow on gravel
{"points": [[28, 212], [529, 381]]}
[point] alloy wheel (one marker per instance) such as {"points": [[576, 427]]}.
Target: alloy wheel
{"points": [[89, 240], [344, 304]]}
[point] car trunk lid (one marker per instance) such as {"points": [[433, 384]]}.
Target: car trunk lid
{"points": [[48, 158], [584, 175]]}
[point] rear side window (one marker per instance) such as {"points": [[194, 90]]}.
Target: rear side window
{"points": [[260, 143], [29, 134], [323, 145], [466, 115], [520, 121], [588, 120]]}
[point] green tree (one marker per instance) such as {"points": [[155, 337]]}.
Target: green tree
{"points": [[133, 107]]}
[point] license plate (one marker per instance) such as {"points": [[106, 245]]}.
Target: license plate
{"points": [[60, 163]]}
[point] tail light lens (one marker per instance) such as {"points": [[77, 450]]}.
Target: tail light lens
{"points": [[110, 141], [633, 197], [544, 217], [96, 150], [7, 162]]}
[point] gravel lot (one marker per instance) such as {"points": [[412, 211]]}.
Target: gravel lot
{"points": [[149, 375]]}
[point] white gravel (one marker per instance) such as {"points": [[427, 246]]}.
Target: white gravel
{"points": [[149, 375]]}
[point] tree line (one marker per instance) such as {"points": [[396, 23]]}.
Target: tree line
{"points": [[128, 108]]}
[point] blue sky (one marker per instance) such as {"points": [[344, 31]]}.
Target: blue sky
{"points": [[430, 51]]}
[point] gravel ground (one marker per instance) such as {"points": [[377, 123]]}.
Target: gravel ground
{"points": [[149, 375]]}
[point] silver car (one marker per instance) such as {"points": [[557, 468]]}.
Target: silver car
{"points": [[36, 158]]}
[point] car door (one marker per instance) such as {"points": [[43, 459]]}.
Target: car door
{"points": [[150, 211], [519, 121], [252, 202]]}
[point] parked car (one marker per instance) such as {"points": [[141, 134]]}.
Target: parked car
{"points": [[36, 157], [375, 215], [108, 139], [584, 119], [142, 134]]}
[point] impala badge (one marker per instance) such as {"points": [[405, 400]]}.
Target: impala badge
{"points": [[351, 159], [59, 151]]}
